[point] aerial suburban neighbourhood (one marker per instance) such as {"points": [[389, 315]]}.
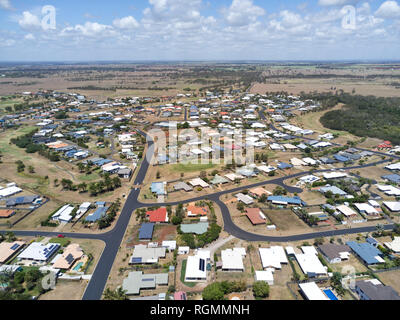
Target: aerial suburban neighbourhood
{"points": [[199, 180]]}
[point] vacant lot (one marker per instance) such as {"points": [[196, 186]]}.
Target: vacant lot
{"points": [[391, 278], [66, 290]]}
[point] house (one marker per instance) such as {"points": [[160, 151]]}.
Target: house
{"points": [[333, 189], [310, 263], [366, 252], [180, 296], [280, 200], [394, 245], [297, 162], [366, 208], [124, 173], [265, 275], [9, 249], [272, 257], [392, 206], [375, 290], [334, 175], [334, 253], [196, 270], [197, 228], [194, 211], [6, 213], [182, 186], [309, 179], [137, 281], [346, 211], [389, 190], [98, 214], [9, 191], [199, 183], [146, 231], [169, 245], [158, 216], [218, 180], [311, 291], [232, 259], [395, 178], [71, 254], [64, 214], [247, 200], [234, 176], [39, 252], [159, 188], [255, 216], [12, 202], [259, 192], [145, 255]]}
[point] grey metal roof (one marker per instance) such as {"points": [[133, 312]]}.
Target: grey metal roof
{"points": [[377, 292]]}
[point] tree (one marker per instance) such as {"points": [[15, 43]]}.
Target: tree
{"points": [[260, 289], [213, 292], [31, 169], [81, 167], [10, 236], [83, 187], [118, 294]]}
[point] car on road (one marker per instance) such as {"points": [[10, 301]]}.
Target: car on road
{"points": [[60, 236]]}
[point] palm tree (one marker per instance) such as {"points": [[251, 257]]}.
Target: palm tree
{"points": [[118, 294]]}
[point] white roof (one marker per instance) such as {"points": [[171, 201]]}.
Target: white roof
{"points": [[233, 176], [39, 251], [289, 250], [6, 192], [312, 291], [171, 245], [193, 270], [389, 190], [309, 250], [395, 166], [272, 257], [64, 214], [266, 169], [334, 175], [366, 207], [267, 276], [310, 263], [297, 162], [199, 182], [204, 254], [394, 245], [393, 206], [232, 260], [347, 211]]}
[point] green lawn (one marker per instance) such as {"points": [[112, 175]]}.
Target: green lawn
{"points": [[192, 167], [183, 273], [62, 241]]}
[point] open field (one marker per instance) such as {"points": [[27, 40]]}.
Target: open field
{"points": [[66, 290], [391, 278]]}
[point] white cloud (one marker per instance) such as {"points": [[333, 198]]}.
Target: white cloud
{"points": [[89, 29], [327, 3], [242, 13], [388, 10], [29, 21], [5, 4], [29, 36], [126, 23]]}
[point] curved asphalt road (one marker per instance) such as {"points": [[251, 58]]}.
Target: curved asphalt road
{"points": [[114, 237]]}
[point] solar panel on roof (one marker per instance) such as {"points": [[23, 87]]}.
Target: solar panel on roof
{"points": [[70, 258], [15, 246], [202, 264], [136, 260], [147, 279]]}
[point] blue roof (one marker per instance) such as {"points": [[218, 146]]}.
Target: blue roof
{"points": [[392, 177], [158, 188], [101, 162], [98, 214], [294, 200], [365, 251], [340, 158], [146, 231], [283, 165]]}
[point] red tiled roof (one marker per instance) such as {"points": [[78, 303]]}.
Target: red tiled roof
{"points": [[254, 216], [159, 215]]}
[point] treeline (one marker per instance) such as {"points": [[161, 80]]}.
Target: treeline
{"points": [[199, 241], [363, 116], [25, 142]]}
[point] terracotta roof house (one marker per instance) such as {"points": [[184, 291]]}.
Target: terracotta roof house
{"points": [[255, 216], [71, 253], [159, 215], [4, 213], [193, 211]]}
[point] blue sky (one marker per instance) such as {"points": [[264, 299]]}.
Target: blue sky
{"points": [[200, 30]]}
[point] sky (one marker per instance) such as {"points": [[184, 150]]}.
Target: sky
{"points": [[151, 30]]}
